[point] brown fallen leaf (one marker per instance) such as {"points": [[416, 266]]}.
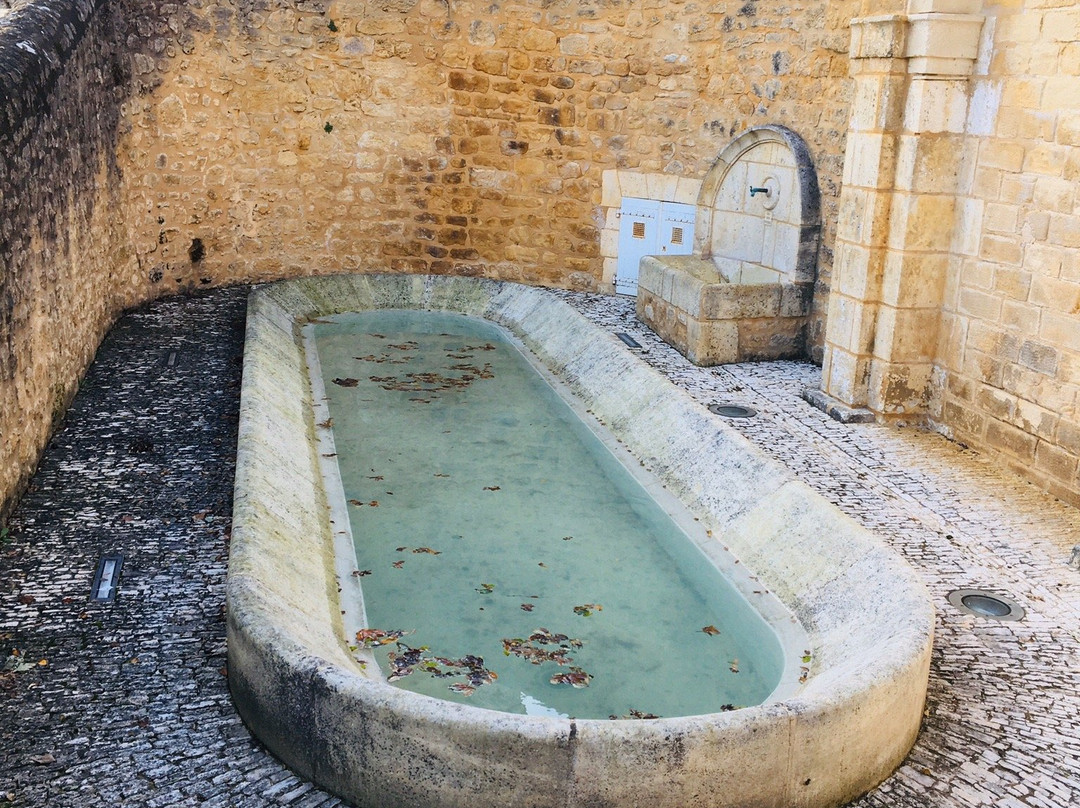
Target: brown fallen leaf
{"points": [[712, 631], [399, 564], [491, 488], [527, 607], [349, 382]]}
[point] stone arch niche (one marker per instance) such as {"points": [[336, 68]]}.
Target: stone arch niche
{"points": [[746, 291]]}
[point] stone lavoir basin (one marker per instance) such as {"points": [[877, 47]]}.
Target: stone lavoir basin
{"points": [[846, 709]]}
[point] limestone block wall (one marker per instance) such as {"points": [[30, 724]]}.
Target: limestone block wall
{"points": [[1009, 353], [456, 136]]}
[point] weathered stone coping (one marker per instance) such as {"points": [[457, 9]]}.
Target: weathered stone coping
{"points": [[35, 41], [869, 619]]}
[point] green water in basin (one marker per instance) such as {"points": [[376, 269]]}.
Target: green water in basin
{"points": [[528, 569]]}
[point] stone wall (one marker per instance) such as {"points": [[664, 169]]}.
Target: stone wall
{"points": [[1010, 346], [455, 137], [64, 270]]}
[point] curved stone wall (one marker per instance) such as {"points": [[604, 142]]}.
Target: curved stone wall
{"points": [[869, 620], [65, 267]]}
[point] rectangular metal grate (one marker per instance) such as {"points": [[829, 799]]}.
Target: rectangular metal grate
{"points": [[106, 579]]}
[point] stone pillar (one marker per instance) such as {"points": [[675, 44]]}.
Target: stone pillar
{"points": [[896, 222]]}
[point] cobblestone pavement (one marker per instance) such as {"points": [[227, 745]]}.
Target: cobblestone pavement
{"points": [[132, 708]]}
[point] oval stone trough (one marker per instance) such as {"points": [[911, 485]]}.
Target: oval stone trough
{"points": [[868, 618]]}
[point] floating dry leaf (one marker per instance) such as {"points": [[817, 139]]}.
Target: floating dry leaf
{"points": [[327, 424], [587, 609], [527, 607], [427, 550], [398, 565], [406, 661], [427, 382], [712, 631], [485, 589], [361, 573], [371, 637], [575, 677], [472, 371], [492, 488], [530, 649], [734, 666], [349, 382]]}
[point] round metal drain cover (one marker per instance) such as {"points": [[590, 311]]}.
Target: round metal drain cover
{"points": [[732, 410], [986, 604]]}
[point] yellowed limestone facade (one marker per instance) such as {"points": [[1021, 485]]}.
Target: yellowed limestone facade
{"points": [[150, 148]]}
